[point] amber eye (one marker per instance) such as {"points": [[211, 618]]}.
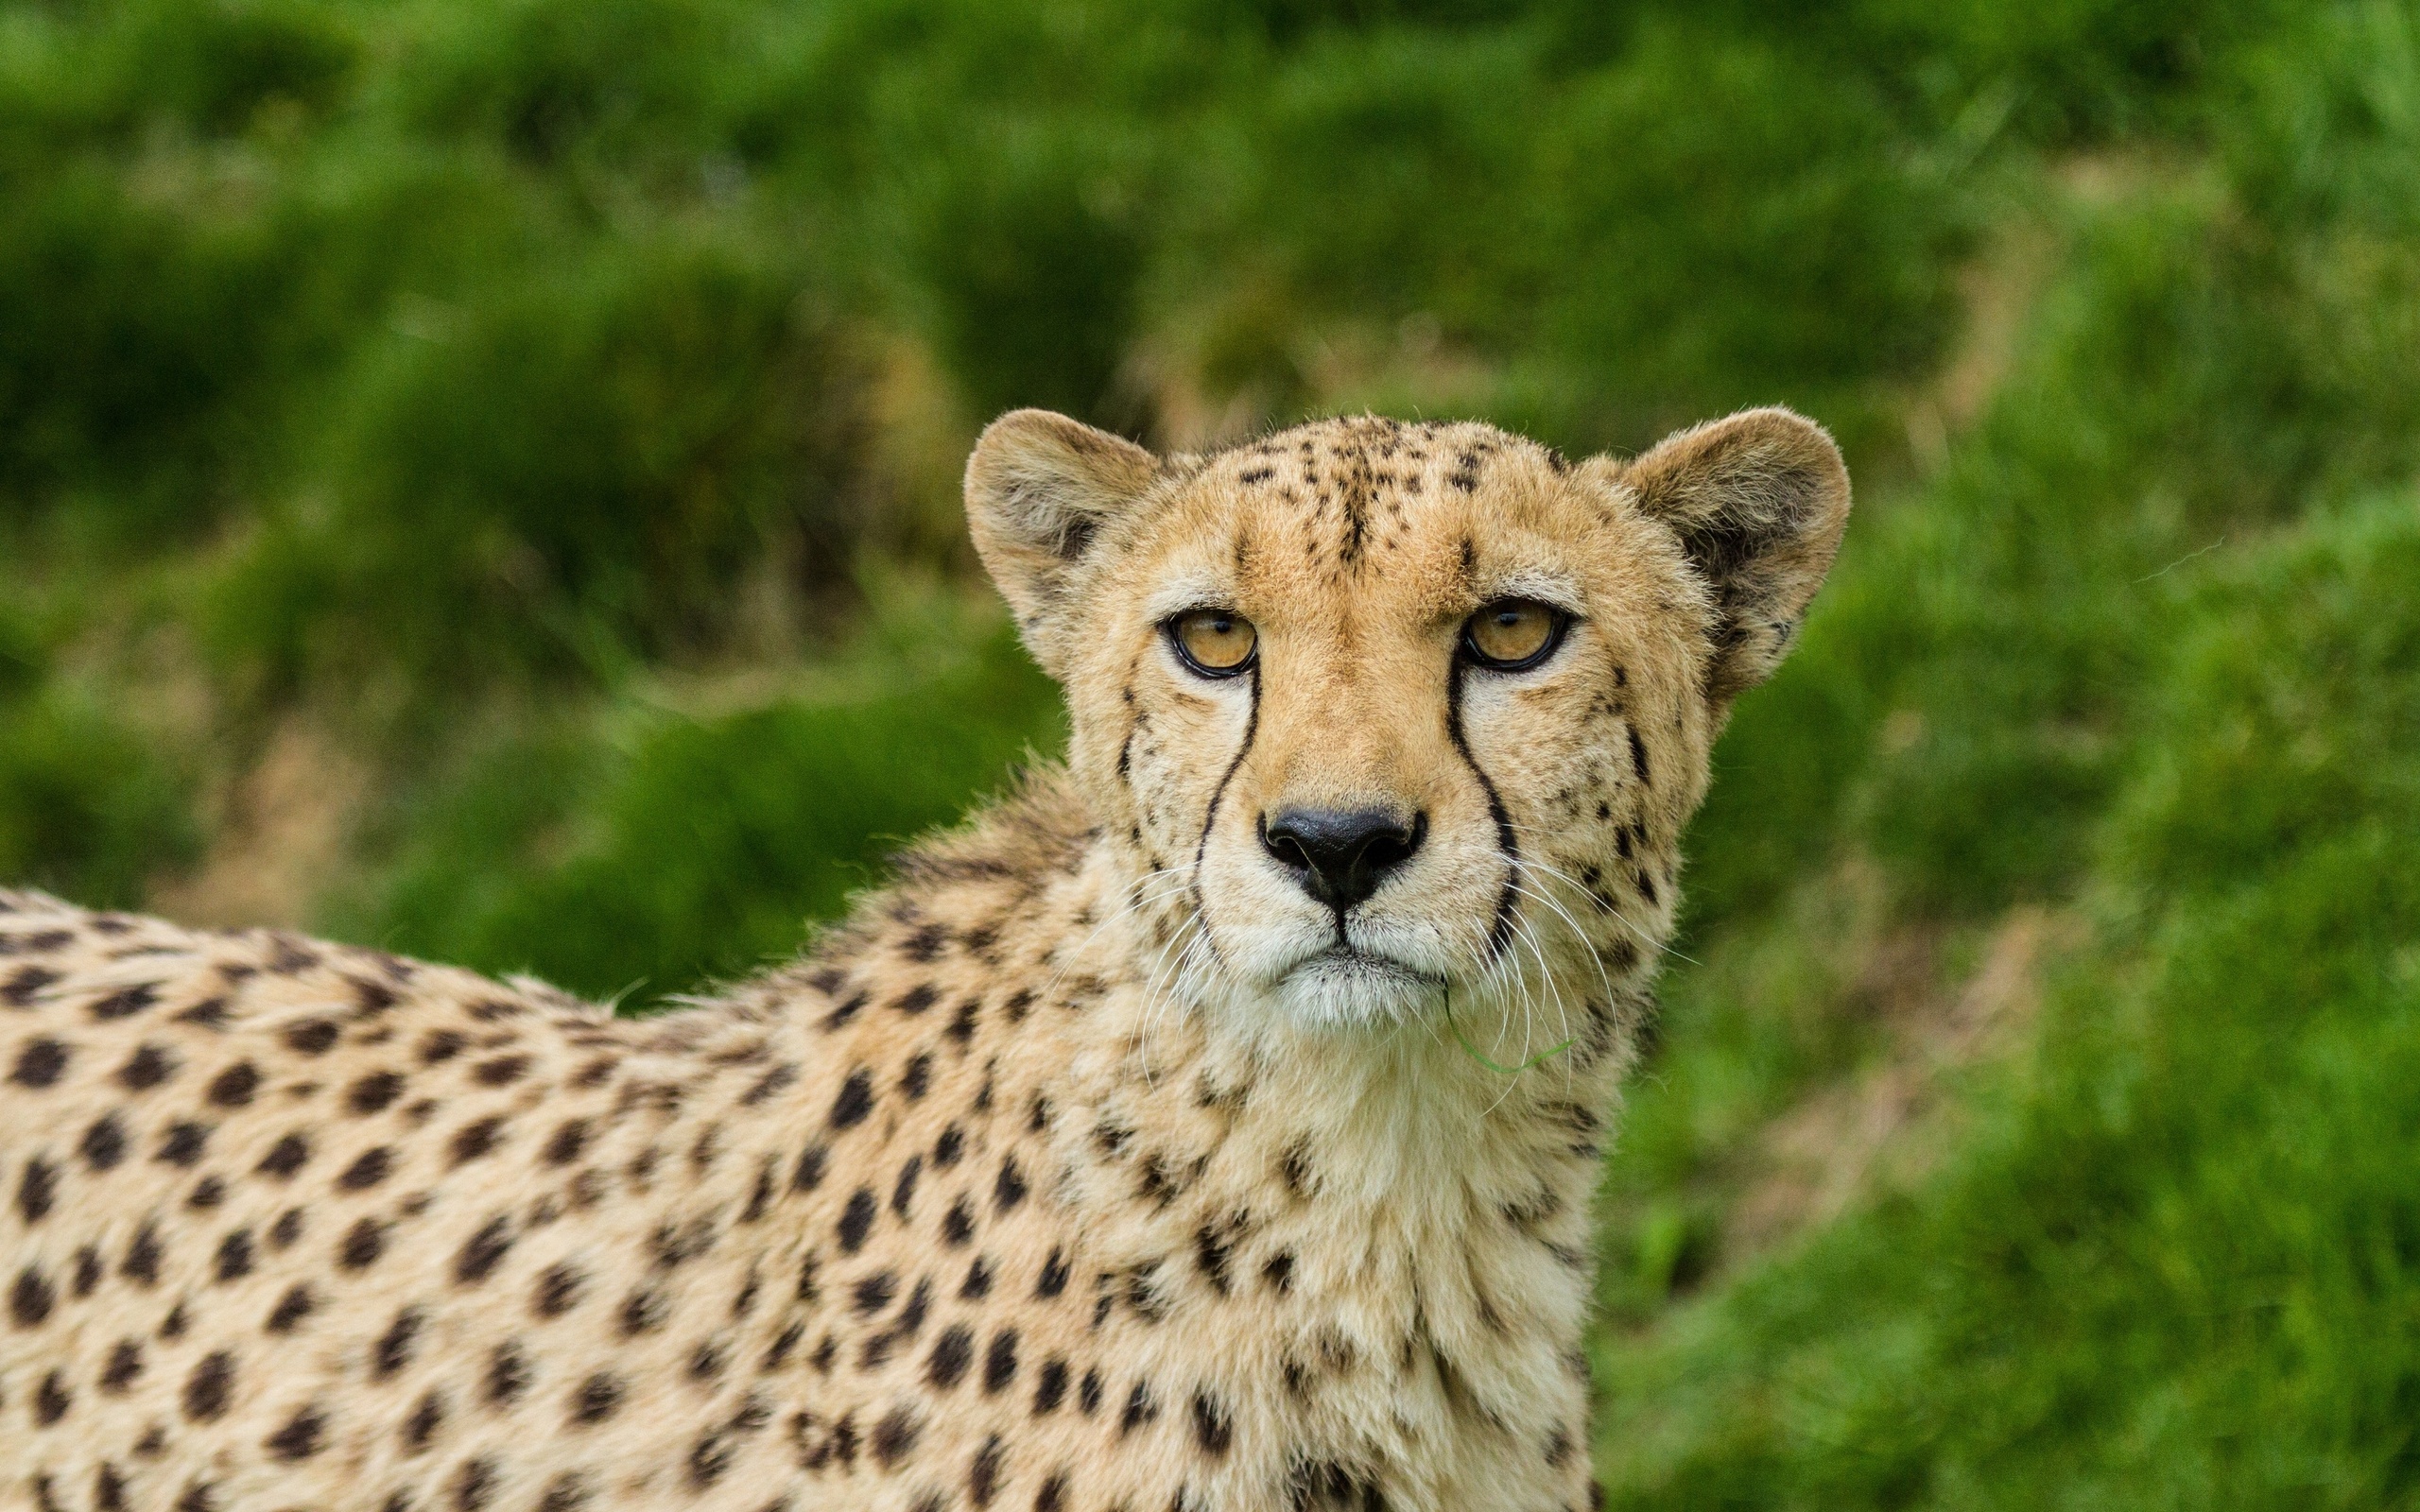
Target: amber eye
{"points": [[1215, 643], [1512, 634]]}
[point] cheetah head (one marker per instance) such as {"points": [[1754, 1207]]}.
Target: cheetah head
{"points": [[1384, 718]]}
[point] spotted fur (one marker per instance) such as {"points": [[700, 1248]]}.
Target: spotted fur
{"points": [[1081, 1170]]}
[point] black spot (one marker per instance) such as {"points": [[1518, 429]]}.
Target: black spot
{"points": [[559, 1290], [917, 1079], [185, 1143], [88, 1270], [811, 1163], [287, 1229], [475, 1140], [40, 1063], [949, 1147], [1295, 1170], [208, 1387], [367, 1170], [895, 1435], [958, 1225], [1279, 1273], [1009, 1189], [37, 1190], [125, 1365], [508, 1374], [962, 1024], [29, 1299], [644, 1311], [1053, 1494], [126, 1003], [292, 1309], [298, 1439], [1638, 757], [142, 1257], [770, 1082], [393, 1350], [235, 1256], [1139, 1409], [1054, 1275], [952, 1353], [51, 1400], [423, 1424], [1212, 1253], [445, 1044], [475, 1486], [1000, 1363], [788, 1341], [1213, 1429], [29, 981], [567, 1143], [1088, 1393], [597, 1399], [311, 1037], [501, 1072], [857, 1220], [146, 1068], [105, 1142], [905, 1191], [567, 1492], [710, 1457], [840, 1016], [1050, 1389], [374, 1093], [925, 943], [978, 1280], [287, 1156], [983, 1477], [484, 1251], [874, 1293], [855, 1100], [234, 1087], [363, 1245]]}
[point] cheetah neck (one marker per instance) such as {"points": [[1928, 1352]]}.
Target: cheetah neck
{"points": [[1409, 1227]]}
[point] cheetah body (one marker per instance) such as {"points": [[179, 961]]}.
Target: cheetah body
{"points": [[1065, 1175]]}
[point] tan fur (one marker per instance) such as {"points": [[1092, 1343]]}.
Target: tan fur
{"points": [[1070, 1175]]}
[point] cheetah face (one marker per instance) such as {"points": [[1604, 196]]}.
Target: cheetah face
{"points": [[1383, 719]]}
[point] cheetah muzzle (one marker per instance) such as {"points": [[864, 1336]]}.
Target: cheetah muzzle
{"points": [[1141, 1146]]}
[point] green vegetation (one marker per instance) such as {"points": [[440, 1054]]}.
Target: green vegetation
{"points": [[547, 415]]}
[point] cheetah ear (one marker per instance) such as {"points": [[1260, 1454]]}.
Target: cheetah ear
{"points": [[1038, 488], [1759, 500]]}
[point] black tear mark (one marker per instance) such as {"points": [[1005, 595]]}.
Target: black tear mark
{"points": [[1499, 933], [1219, 794]]}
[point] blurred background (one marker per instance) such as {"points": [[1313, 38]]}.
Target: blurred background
{"points": [[479, 476]]}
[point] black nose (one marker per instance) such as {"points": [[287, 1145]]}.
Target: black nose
{"points": [[1339, 856]]}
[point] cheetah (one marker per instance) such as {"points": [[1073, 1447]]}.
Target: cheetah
{"points": [[1209, 1125]]}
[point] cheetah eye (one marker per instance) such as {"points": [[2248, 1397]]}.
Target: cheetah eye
{"points": [[1513, 634], [1213, 643]]}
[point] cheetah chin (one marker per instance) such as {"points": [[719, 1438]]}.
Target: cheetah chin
{"points": [[1146, 1145]]}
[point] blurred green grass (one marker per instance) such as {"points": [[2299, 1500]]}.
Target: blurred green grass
{"points": [[552, 412]]}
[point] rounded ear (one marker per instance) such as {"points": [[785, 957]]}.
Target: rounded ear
{"points": [[1759, 500], [1038, 488]]}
